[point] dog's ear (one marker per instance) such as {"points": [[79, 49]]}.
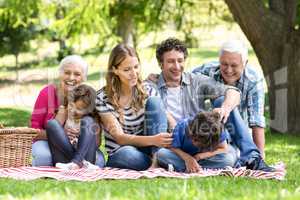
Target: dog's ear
{"points": [[201, 116], [216, 116]]}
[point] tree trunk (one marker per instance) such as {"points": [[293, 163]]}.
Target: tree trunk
{"points": [[277, 45], [17, 67], [125, 27]]}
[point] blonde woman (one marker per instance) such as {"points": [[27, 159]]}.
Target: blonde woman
{"points": [[133, 119]]}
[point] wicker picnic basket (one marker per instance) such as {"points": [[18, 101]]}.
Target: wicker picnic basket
{"points": [[15, 146]]}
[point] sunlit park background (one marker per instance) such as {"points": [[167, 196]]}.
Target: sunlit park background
{"points": [[35, 35]]}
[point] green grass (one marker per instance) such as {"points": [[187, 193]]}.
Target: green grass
{"points": [[14, 117], [279, 147]]}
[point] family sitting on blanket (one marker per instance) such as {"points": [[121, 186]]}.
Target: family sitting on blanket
{"points": [[135, 116]]}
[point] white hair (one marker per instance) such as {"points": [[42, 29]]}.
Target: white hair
{"points": [[235, 46], [74, 59]]}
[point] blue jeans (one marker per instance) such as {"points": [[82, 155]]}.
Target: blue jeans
{"points": [[41, 155], [166, 157], [240, 136], [61, 148], [130, 157]]}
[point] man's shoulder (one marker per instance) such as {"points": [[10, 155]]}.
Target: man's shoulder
{"points": [[207, 68], [252, 75], [196, 78]]}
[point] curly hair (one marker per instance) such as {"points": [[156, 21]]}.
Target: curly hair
{"points": [[169, 45], [113, 82], [205, 130]]}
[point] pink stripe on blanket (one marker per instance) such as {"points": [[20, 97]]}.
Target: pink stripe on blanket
{"points": [[31, 173]]}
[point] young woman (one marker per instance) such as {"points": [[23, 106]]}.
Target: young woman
{"points": [[133, 118]]}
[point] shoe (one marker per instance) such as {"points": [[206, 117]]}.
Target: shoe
{"points": [[88, 165], [67, 166], [259, 164]]}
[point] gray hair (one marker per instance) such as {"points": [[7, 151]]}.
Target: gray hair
{"points": [[235, 46], [74, 59]]}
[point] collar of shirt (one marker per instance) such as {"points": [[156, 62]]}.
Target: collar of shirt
{"points": [[162, 84]]}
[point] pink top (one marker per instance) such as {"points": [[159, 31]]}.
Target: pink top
{"points": [[44, 108]]}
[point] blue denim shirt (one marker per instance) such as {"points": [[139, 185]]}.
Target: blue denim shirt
{"points": [[194, 89], [252, 92]]}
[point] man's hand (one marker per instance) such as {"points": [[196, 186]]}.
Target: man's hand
{"points": [[191, 165], [153, 78], [223, 112]]}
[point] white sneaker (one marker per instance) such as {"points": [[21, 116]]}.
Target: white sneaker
{"points": [[67, 166], [88, 165]]}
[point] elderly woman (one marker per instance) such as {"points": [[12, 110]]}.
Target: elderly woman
{"points": [[50, 101]]}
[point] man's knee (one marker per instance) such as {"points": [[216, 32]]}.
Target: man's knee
{"points": [[153, 104], [218, 101]]}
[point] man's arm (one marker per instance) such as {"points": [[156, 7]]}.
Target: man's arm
{"points": [[171, 121], [191, 163], [258, 135], [255, 110], [221, 148], [232, 99]]}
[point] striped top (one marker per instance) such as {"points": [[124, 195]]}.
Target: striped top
{"points": [[132, 123]]}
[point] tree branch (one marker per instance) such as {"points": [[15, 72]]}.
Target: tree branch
{"points": [[259, 25], [290, 7]]}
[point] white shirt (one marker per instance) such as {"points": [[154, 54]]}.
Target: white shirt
{"points": [[174, 102]]}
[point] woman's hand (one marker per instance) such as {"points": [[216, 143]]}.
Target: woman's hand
{"points": [[162, 140]]}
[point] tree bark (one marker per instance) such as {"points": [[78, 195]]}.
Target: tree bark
{"points": [[125, 27], [17, 67], [277, 45]]}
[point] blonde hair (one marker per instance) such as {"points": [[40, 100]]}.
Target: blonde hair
{"points": [[113, 82]]}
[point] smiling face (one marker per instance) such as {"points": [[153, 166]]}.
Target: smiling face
{"points": [[128, 71], [172, 66], [71, 76], [231, 67]]}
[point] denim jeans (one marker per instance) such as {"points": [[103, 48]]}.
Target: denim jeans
{"points": [[166, 157], [61, 148], [41, 155], [130, 157], [240, 136]]}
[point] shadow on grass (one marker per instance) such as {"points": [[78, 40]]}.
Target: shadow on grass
{"points": [[14, 117]]}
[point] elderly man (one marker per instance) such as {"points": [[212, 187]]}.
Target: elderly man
{"points": [[183, 95], [232, 69]]}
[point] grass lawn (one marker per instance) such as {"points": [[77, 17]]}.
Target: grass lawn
{"points": [[284, 148]]}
